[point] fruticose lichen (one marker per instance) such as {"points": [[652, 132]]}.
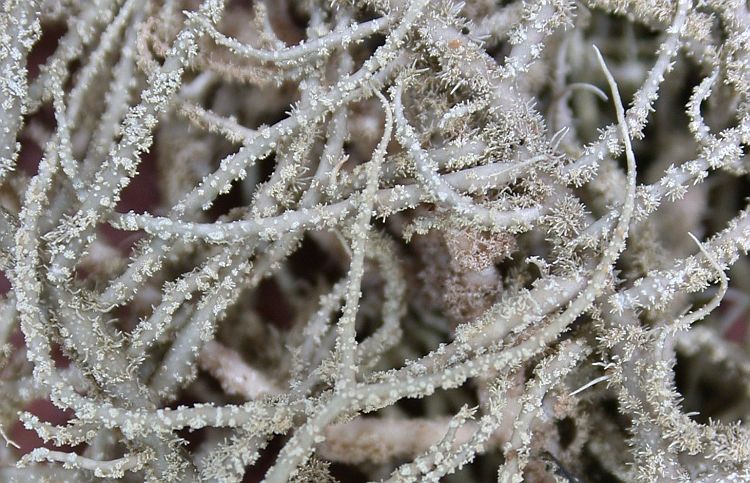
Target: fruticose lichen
{"points": [[389, 240]]}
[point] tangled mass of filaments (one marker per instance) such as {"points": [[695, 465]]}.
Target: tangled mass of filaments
{"points": [[377, 240]]}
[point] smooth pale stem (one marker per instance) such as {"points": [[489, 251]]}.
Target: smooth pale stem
{"points": [[589, 384]]}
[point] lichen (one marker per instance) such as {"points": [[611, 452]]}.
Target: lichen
{"points": [[394, 240]]}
